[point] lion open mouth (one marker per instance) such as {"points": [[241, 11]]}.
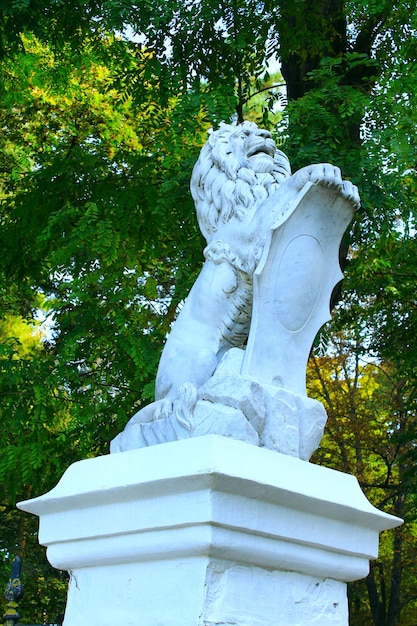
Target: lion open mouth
{"points": [[263, 149]]}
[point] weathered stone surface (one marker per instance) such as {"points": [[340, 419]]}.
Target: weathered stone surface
{"points": [[313, 419], [243, 596], [284, 421], [221, 419], [240, 393]]}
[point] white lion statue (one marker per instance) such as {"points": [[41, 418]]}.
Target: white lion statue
{"points": [[233, 181]]}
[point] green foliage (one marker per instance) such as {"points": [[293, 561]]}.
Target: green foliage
{"points": [[371, 433], [44, 588], [213, 48], [104, 179]]}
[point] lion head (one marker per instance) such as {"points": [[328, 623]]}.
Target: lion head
{"points": [[238, 168]]}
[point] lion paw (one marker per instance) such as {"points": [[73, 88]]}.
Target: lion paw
{"points": [[328, 175], [320, 174], [163, 409], [351, 193], [181, 405]]}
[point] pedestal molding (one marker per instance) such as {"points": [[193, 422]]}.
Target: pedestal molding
{"points": [[218, 496]]}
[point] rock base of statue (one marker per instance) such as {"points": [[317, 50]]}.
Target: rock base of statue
{"points": [[207, 531], [232, 405]]}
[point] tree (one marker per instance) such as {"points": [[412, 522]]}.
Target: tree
{"points": [[31, 450], [370, 432], [88, 179], [79, 225]]}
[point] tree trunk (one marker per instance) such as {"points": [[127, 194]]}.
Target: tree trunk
{"points": [[309, 31], [376, 599], [396, 575]]}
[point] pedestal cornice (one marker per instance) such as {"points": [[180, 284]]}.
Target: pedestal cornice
{"points": [[210, 496]]}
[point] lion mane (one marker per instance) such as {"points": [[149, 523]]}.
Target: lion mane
{"points": [[225, 188]]}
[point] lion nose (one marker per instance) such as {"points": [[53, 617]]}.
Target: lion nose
{"points": [[264, 133]]}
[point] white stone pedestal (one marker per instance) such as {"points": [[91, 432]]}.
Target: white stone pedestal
{"points": [[207, 531]]}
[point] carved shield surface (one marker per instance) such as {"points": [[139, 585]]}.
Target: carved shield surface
{"points": [[293, 284]]}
